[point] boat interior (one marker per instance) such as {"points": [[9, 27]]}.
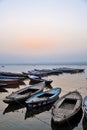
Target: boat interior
{"points": [[68, 104], [29, 91]]}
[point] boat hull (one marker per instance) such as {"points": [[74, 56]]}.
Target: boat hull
{"points": [[42, 103], [44, 98], [69, 123], [37, 79], [22, 94], [10, 81], [66, 107]]}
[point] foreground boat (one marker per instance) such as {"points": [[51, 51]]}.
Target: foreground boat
{"points": [[43, 98], [85, 107], [23, 94], [72, 124], [37, 79], [66, 107]]}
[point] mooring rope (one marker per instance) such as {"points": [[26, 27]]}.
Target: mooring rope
{"points": [[42, 121]]}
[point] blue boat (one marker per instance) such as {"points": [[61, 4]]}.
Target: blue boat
{"points": [[43, 98]]}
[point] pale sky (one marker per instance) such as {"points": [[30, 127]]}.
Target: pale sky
{"points": [[40, 31]]}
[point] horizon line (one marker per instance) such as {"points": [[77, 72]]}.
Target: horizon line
{"points": [[46, 63]]}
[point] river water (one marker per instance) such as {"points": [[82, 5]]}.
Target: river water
{"points": [[18, 117]]}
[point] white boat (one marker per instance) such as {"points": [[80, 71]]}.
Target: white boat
{"points": [[37, 79]]}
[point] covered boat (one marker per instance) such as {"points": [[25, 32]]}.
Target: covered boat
{"points": [[85, 107], [23, 94], [37, 79], [43, 98], [66, 107]]}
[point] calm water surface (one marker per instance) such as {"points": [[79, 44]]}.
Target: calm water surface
{"points": [[20, 118]]}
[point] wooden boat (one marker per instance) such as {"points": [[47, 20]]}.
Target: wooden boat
{"points": [[12, 74], [45, 72], [37, 73], [37, 79], [23, 94], [43, 98], [85, 107], [3, 85], [66, 107], [11, 77], [72, 124], [9, 81], [69, 70]]}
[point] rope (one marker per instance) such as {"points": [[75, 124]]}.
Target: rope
{"points": [[42, 121], [58, 116]]}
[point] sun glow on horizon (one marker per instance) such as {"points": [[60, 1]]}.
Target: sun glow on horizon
{"points": [[43, 30]]}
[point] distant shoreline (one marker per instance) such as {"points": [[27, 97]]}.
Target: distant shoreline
{"points": [[73, 63]]}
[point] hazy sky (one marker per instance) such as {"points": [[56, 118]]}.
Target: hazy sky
{"points": [[43, 31]]}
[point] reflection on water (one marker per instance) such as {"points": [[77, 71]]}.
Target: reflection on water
{"points": [[15, 117], [70, 124], [30, 112], [13, 108], [35, 111], [3, 90], [84, 123]]}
